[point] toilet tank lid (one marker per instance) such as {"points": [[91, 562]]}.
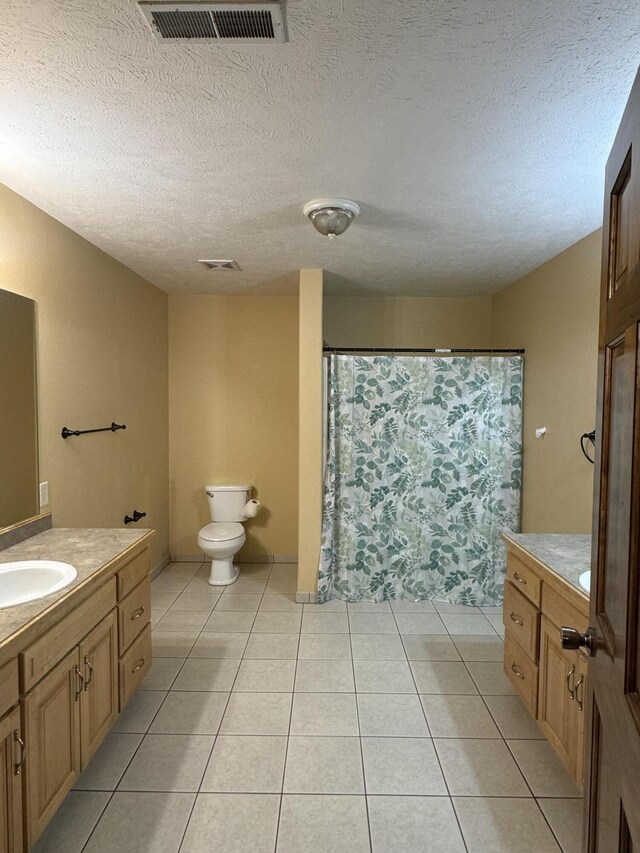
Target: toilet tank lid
{"points": [[217, 488]]}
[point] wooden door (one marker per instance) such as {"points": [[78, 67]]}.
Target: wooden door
{"points": [[51, 716], [11, 760], [557, 707], [99, 701], [613, 696]]}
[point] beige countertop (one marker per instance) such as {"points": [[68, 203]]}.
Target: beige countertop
{"points": [[89, 551], [567, 555]]}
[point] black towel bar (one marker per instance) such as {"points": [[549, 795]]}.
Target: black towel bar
{"points": [[67, 432]]}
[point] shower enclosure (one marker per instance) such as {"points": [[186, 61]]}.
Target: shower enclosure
{"points": [[422, 476]]}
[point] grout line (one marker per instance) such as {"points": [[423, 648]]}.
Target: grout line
{"points": [[364, 774], [215, 739], [286, 750], [135, 752], [293, 693], [424, 714]]}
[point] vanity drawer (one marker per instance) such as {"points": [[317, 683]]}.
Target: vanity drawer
{"points": [[38, 658], [522, 673], [130, 575], [522, 620], [135, 664], [133, 614], [524, 579], [9, 689]]}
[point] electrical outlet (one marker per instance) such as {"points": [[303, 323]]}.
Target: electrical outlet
{"points": [[44, 494]]}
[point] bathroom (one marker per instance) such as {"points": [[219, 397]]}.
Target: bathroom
{"points": [[262, 719]]}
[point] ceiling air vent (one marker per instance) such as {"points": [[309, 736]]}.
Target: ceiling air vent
{"points": [[220, 265], [229, 22]]}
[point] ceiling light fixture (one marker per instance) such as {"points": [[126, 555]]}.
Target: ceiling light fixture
{"points": [[331, 216]]}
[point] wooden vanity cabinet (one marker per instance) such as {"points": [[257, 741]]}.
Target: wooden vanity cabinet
{"points": [[51, 714], [550, 680], [99, 700], [11, 758], [557, 708], [73, 681]]}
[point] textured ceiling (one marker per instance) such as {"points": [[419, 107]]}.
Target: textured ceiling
{"points": [[472, 132]]}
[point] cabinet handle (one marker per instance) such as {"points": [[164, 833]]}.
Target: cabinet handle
{"points": [[138, 665], [516, 670], [570, 689], [81, 677], [514, 618], [579, 683], [137, 614], [517, 577], [90, 668], [23, 752]]}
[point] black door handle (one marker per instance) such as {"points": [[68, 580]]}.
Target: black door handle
{"points": [[572, 639]]}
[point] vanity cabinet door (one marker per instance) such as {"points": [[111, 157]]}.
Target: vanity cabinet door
{"points": [[557, 708], [11, 756], [99, 701], [51, 715]]}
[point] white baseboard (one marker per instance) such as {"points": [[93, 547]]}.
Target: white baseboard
{"points": [[164, 562]]}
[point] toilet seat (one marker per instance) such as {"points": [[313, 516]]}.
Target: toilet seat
{"points": [[222, 531]]}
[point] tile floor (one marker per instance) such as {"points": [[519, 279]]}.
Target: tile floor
{"points": [[267, 725]]}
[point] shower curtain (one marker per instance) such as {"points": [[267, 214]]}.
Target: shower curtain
{"points": [[422, 477]]}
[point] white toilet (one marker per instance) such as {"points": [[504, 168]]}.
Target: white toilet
{"points": [[221, 540]]}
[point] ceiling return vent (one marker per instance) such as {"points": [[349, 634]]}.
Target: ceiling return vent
{"points": [[220, 265], [221, 22]]}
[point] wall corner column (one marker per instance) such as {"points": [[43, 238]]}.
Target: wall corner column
{"points": [[310, 484]]}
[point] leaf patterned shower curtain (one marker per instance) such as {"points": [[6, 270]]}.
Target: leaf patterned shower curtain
{"points": [[422, 477]]}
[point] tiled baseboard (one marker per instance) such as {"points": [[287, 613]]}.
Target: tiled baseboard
{"points": [[264, 558], [164, 562], [306, 597]]}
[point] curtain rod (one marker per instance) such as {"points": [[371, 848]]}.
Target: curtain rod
{"points": [[442, 351]]}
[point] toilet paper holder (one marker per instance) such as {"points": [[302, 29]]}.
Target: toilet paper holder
{"points": [[251, 508]]}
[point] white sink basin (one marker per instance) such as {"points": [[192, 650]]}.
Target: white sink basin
{"points": [[585, 581], [28, 580]]}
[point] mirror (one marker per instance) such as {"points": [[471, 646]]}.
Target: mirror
{"points": [[18, 410]]}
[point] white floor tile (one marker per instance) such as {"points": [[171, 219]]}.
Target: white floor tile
{"points": [[324, 765], [323, 823], [503, 825], [402, 765], [233, 823], [252, 764], [414, 825], [143, 822]]}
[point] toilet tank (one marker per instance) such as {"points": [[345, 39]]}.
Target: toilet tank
{"points": [[227, 502]]}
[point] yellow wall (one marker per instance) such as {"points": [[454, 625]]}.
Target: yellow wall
{"points": [[102, 356], [311, 428], [553, 313], [234, 415], [407, 321]]}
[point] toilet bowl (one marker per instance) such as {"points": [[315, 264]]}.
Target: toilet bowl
{"points": [[221, 540]]}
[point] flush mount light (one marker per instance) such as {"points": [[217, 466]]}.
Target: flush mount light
{"points": [[331, 216]]}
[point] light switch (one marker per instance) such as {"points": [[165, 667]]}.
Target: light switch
{"points": [[44, 494]]}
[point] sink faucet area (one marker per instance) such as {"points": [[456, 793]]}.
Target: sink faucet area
{"points": [[28, 580]]}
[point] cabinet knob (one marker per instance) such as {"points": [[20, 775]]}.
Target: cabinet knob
{"points": [[573, 640]]}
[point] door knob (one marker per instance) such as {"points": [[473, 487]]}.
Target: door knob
{"points": [[572, 639]]}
